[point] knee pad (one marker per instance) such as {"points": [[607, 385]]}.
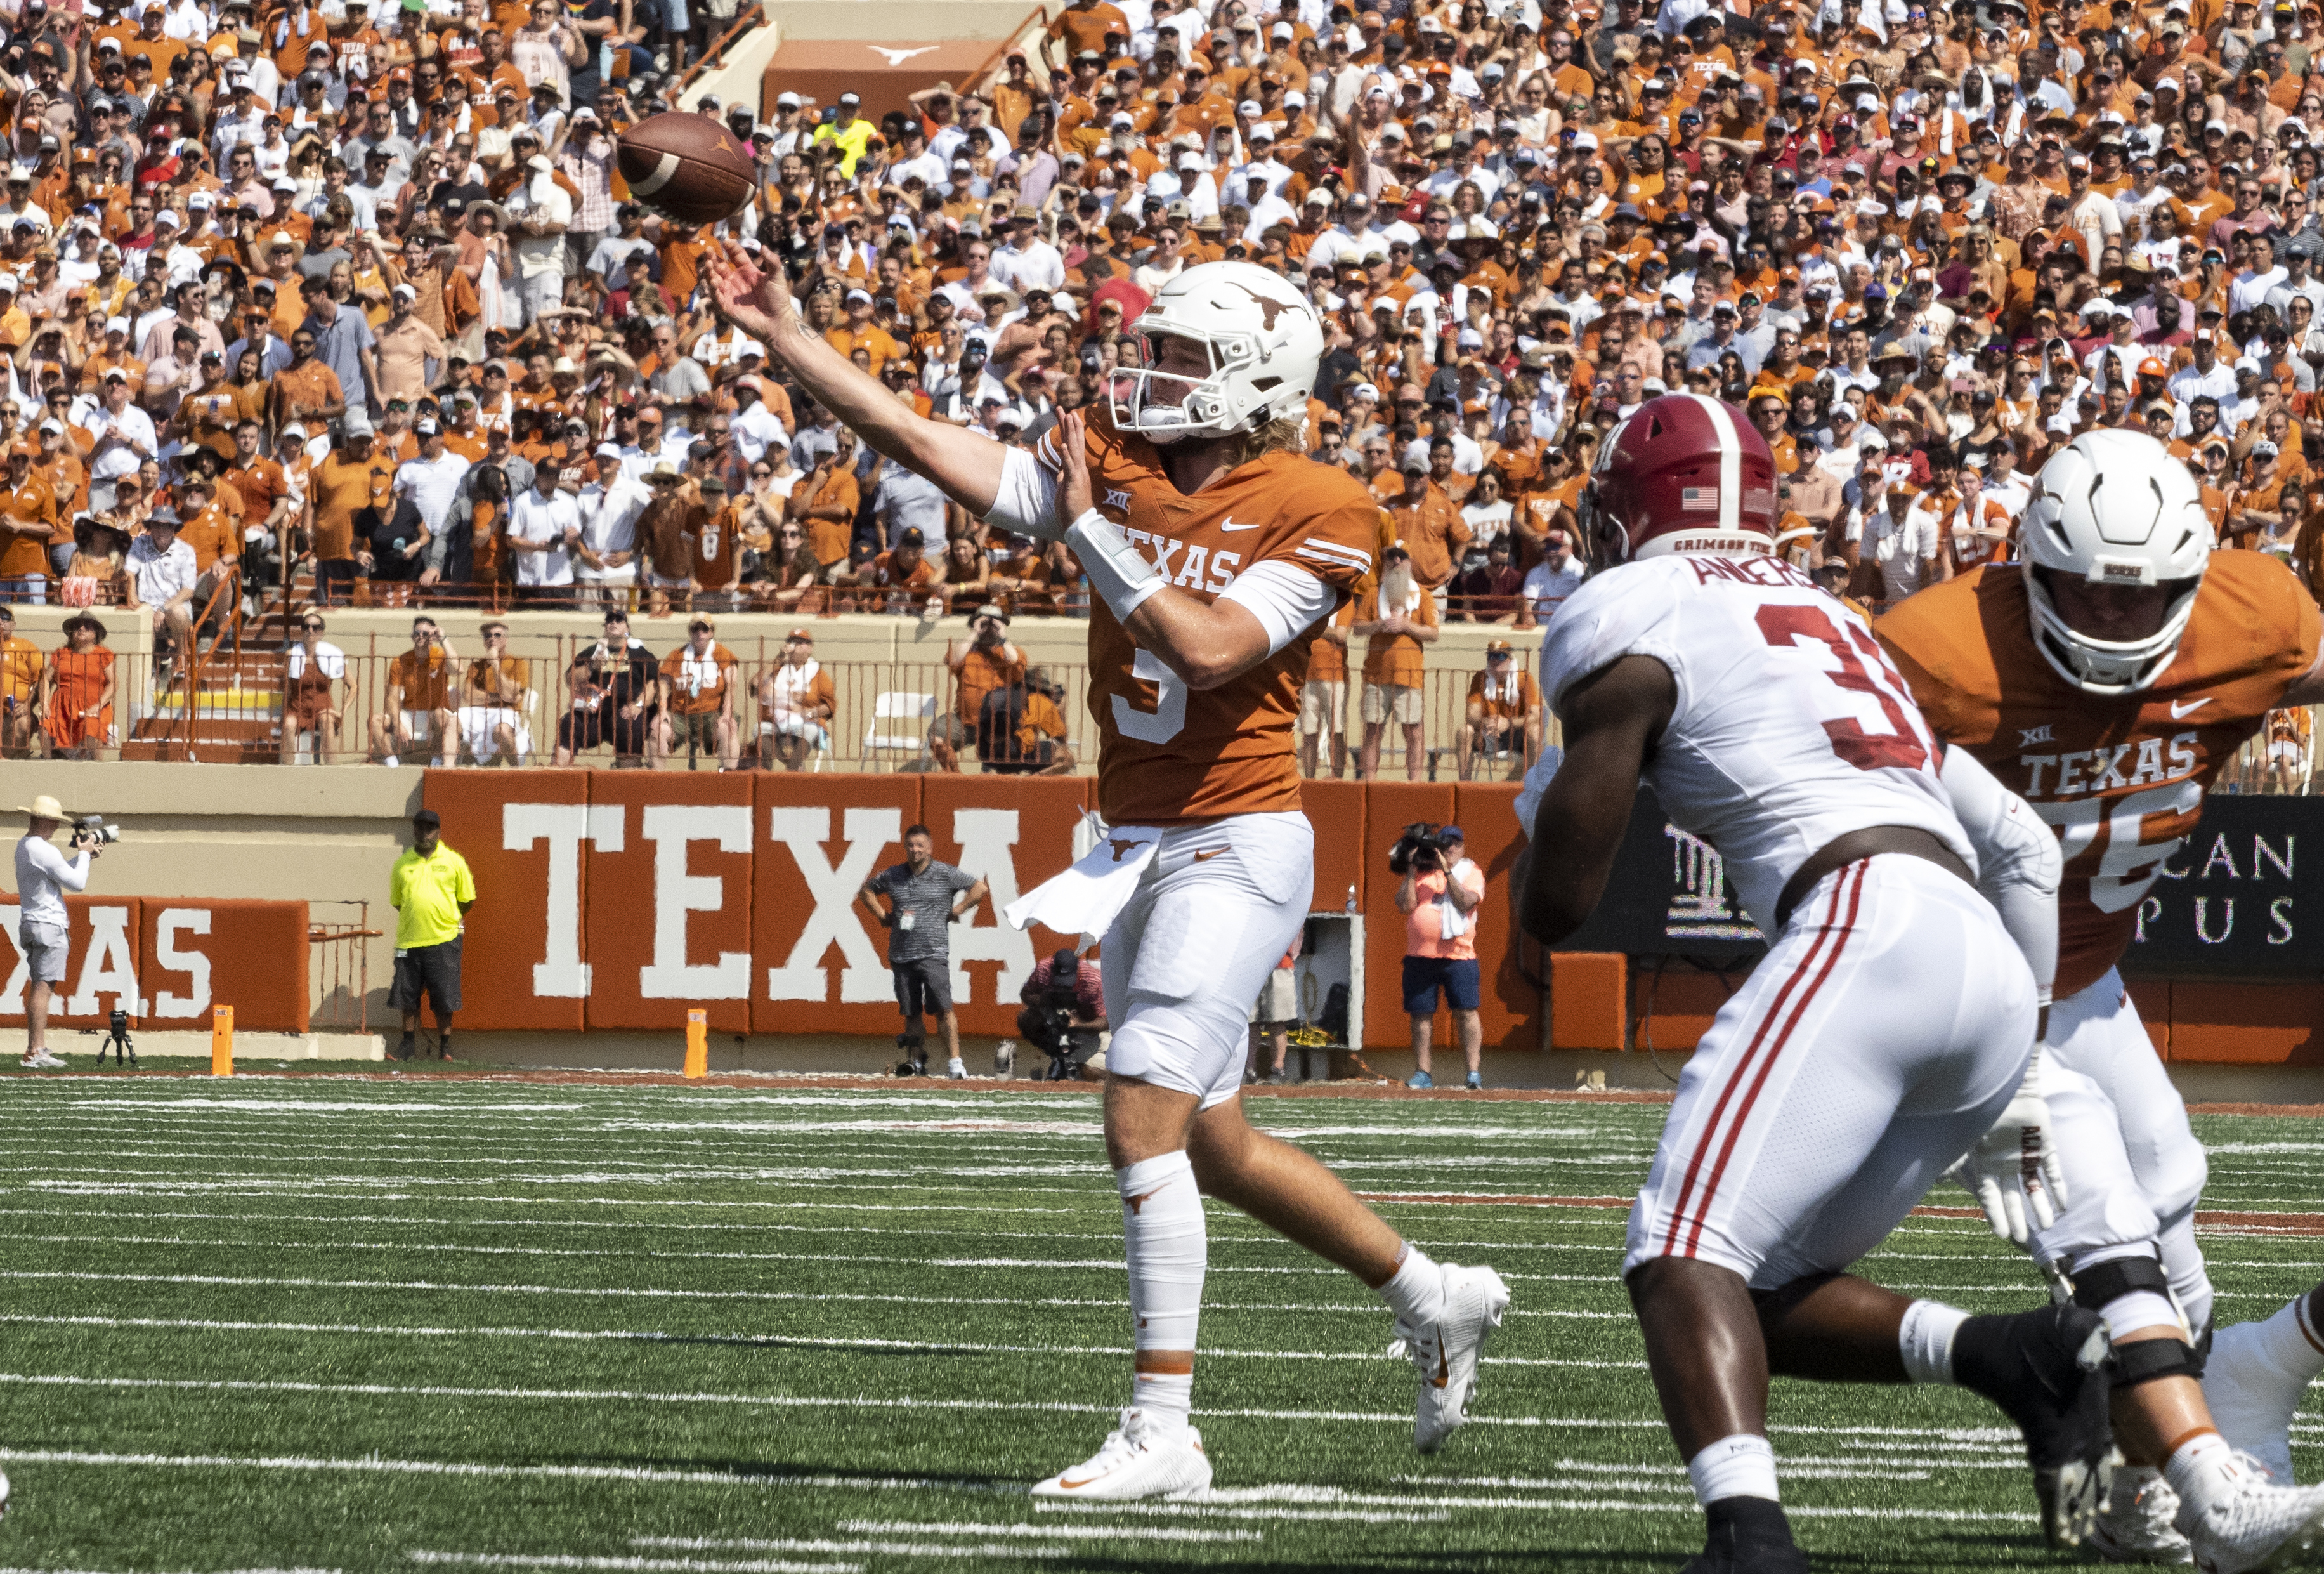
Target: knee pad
{"points": [[2149, 1359], [2102, 1284]]}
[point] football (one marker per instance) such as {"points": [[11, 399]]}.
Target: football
{"points": [[687, 167]]}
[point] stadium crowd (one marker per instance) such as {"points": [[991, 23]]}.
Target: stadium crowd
{"points": [[310, 303]]}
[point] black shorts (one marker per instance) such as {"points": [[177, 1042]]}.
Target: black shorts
{"points": [[582, 730], [925, 984], [430, 971]]}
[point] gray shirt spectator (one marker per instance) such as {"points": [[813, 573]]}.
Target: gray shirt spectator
{"points": [[922, 905], [906, 501]]}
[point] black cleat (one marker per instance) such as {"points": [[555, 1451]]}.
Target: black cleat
{"points": [[1748, 1535], [2046, 1369]]}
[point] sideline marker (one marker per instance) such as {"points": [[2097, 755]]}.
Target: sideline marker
{"points": [[222, 1041], [698, 1042]]}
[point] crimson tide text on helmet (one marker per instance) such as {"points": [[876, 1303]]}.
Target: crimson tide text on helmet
{"points": [[1265, 346], [1685, 473]]}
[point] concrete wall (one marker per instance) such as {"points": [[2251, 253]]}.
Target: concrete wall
{"points": [[321, 836]]}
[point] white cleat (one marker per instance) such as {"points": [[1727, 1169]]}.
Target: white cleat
{"points": [[4, 1494], [2262, 1526], [1139, 1460], [2136, 1523], [956, 1069], [1445, 1354], [2251, 1399], [43, 1061]]}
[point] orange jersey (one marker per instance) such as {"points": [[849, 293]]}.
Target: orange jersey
{"points": [[2121, 779], [1168, 755]]}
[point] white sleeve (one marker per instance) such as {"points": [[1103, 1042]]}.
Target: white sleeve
{"points": [[1027, 501], [71, 874], [1287, 600], [2018, 862]]}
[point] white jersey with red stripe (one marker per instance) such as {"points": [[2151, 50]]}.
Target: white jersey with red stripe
{"points": [[1791, 728]]}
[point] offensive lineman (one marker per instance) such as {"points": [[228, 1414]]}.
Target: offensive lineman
{"points": [[1197, 654], [1814, 1113], [2107, 678]]}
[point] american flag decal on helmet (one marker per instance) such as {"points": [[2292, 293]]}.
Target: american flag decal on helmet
{"points": [[1703, 498]]}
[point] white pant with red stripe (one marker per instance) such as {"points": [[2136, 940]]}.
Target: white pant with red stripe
{"points": [[1885, 1031]]}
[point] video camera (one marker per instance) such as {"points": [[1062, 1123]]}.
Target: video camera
{"points": [[91, 829], [1419, 846]]}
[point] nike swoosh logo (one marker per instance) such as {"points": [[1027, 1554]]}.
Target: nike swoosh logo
{"points": [[1228, 523], [2180, 712], [1206, 857]]}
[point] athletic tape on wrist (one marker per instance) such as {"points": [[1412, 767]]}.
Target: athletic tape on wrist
{"points": [[1118, 572]]}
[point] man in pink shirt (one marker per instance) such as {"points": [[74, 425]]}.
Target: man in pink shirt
{"points": [[1439, 898]]}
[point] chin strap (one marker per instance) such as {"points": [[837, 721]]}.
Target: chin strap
{"points": [[1118, 572]]}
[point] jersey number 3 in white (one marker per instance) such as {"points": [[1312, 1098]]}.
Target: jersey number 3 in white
{"points": [[1168, 716], [1787, 625]]}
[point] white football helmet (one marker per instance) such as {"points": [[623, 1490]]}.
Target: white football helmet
{"points": [[1265, 345], [2114, 509]]}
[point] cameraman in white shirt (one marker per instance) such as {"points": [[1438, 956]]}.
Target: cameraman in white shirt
{"points": [[43, 875]]}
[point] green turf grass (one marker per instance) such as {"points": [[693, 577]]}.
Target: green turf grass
{"points": [[444, 1323]]}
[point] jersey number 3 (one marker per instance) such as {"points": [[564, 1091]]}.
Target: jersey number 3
{"points": [[1168, 716], [1786, 625]]}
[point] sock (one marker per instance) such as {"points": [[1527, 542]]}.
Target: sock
{"points": [[1741, 1465], [1925, 1341], [1416, 1290], [2141, 1309], [2203, 1470], [1162, 1229], [2291, 1341]]}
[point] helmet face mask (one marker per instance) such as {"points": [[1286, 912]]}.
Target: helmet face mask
{"points": [[1262, 346], [2114, 510]]}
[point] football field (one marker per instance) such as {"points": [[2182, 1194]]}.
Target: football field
{"points": [[466, 1322]]}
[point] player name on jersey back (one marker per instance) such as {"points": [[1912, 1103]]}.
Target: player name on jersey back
{"points": [[1168, 755], [1791, 728], [2122, 777]]}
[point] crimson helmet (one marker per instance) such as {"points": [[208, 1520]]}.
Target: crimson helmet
{"points": [[1685, 473]]}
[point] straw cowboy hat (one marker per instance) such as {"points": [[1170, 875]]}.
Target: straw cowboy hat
{"points": [[43, 807]]}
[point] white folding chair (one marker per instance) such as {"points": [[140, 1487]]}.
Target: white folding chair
{"points": [[894, 707]]}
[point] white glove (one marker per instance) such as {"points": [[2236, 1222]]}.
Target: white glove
{"points": [[2013, 1169]]}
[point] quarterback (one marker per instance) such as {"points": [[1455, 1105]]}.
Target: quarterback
{"points": [[1910, 904], [1214, 551], [2107, 678]]}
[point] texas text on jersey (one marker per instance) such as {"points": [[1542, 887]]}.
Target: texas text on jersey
{"points": [[2122, 778], [1168, 755]]}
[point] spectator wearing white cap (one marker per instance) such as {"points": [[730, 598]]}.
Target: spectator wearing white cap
{"points": [[432, 480]]}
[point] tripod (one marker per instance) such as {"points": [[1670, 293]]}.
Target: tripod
{"points": [[116, 1039]]}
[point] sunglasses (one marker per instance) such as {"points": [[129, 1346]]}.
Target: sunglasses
{"points": [[312, 628]]}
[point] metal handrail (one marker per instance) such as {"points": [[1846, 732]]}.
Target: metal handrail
{"points": [[198, 660]]}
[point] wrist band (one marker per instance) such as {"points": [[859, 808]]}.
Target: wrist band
{"points": [[1118, 572]]}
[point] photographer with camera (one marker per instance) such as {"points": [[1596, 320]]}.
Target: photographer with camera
{"points": [[1439, 898], [43, 875], [984, 663], [924, 898], [1064, 1011]]}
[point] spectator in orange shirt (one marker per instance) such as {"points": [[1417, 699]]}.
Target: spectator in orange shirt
{"points": [[902, 575], [986, 662], [796, 705], [19, 687], [419, 700], [697, 680], [77, 692], [1324, 697], [1398, 621], [1504, 720]]}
